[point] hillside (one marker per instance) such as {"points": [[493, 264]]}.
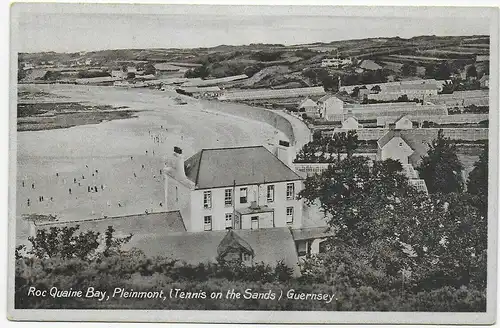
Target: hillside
{"points": [[277, 65]]}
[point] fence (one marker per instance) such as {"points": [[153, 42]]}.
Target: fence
{"points": [[468, 134], [439, 119]]}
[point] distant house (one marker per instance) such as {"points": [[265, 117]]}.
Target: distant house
{"points": [[369, 65], [394, 146], [118, 73], [482, 58], [238, 188], [351, 123], [336, 62], [484, 81], [309, 107], [165, 69], [201, 92], [330, 62], [403, 123], [331, 108]]}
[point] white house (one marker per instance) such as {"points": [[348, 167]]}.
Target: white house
{"points": [[118, 73], [403, 123], [351, 123], [239, 188], [331, 108], [393, 145], [309, 107]]}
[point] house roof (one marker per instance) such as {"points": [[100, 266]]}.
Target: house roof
{"points": [[311, 233], [166, 67], [223, 167], [200, 89], [417, 140], [400, 118], [269, 246], [307, 103], [484, 78], [369, 65], [233, 242], [136, 224], [392, 133]]}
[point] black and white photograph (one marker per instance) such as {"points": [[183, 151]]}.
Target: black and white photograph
{"points": [[284, 164]]}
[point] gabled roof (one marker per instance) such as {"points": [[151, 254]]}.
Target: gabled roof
{"points": [[418, 140], [370, 65], [269, 246], [484, 78], [400, 118], [166, 67], [307, 103], [312, 233], [223, 167], [389, 136], [328, 97], [137, 224], [233, 242]]}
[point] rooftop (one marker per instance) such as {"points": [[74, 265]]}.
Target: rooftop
{"points": [[225, 167], [137, 224], [269, 246]]}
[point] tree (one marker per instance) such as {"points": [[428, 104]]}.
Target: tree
{"points": [[66, 243], [477, 183], [201, 72], [376, 88], [440, 168], [356, 196], [471, 72], [408, 70], [149, 69]]}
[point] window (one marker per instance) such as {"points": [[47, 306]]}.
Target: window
{"points": [[207, 199], [270, 193], [255, 223], [207, 222], [290, 191], [243, 195], [229, 220], [228, 197], [289, 214], [246, 257]]}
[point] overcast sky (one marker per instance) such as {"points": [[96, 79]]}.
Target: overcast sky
{"points": [[85, 32]]}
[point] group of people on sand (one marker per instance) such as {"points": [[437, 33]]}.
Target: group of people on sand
{"points": [[91, 179]]}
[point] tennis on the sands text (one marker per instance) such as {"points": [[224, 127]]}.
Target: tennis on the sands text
{"points": [[247, 294]]}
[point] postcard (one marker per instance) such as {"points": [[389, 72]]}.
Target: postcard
{"points": [[253, 164]]}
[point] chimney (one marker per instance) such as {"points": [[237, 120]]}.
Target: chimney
{"points": [[253, 205], [285, 153], [178, 162]]}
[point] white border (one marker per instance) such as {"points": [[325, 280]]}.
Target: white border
{"points": [[274, 316]]}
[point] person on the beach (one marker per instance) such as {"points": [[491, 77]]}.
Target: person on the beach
{"points": [[74, 180], [28, 202], [32, 186], [69, 190], [23, 183]]}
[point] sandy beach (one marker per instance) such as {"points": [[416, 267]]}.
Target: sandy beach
{"points": [[114, 168]]}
